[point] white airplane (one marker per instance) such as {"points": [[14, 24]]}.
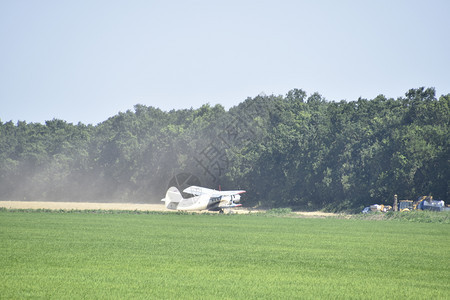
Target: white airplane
{"points": [[202, 199]]}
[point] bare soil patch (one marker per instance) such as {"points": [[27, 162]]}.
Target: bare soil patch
{"points": [[316, 214], [127, 206], [81, 205]]}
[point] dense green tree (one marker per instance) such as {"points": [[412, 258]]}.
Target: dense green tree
{"points": [[296, 150]]}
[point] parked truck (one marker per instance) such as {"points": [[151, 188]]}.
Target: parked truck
{"points": [[422, 203]]}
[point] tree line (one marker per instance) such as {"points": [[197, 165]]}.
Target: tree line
{"points": [[295, 150]]}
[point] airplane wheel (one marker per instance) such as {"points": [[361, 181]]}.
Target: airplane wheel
{"points": [[221, 211]]}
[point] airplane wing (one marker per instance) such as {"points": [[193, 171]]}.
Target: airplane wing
{"points": [[230, 205], [226, 193], [196, 191]]}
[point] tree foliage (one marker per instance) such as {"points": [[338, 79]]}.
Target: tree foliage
{"points": [[286, 151]]}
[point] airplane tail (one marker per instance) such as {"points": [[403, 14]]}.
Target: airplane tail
{"points": [[173, 198]]}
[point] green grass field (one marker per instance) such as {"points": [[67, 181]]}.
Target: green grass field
{"points": [[124, 255]]}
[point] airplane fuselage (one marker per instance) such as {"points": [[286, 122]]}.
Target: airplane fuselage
{"points": [[203, 199]]}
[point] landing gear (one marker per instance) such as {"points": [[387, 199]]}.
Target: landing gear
{"points": [[221, 211]]}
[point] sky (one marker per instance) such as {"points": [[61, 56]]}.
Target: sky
{"points": [[85, 61]]}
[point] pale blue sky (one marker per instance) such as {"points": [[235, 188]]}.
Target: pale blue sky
{"points": [[87, 60]]}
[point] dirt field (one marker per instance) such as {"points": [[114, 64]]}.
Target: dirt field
{"points": [[82, 205], [124, 206]]}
